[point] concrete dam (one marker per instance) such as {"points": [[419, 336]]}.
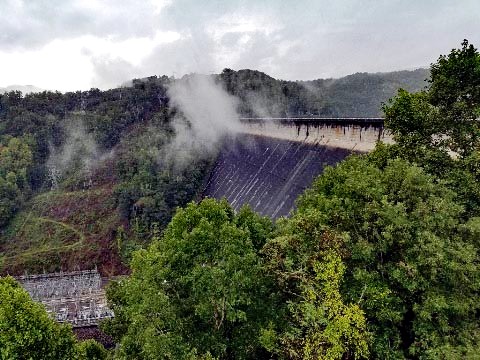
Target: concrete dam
{"points": [[273, 160]]}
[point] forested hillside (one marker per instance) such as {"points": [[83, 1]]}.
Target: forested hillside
{"points": [[85, 177], [380, 260], [82, 181], [359, 94]]}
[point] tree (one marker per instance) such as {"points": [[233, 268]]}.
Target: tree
{"points": [[26, 330], [91, 350], [9, 195], [439, 128], [15, 161], [446, 116], [316, 322], [198, 290], [411, 259], [455, 79], [16, 157]]}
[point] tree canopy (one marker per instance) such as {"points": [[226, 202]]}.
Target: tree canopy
{"points": [[28, 332], [15, 162], [412, 262], [199, 290], [446, 115], [439, 128]]}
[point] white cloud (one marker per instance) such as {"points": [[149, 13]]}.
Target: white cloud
{"points": [[77, 44], [159, 5], [58, 65], [69, 64], [243, 23]]}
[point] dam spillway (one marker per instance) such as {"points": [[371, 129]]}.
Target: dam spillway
{"points": [[272, 161], [267, 173]]}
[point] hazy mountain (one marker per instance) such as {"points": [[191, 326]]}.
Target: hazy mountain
{"points": [[25, 89]]}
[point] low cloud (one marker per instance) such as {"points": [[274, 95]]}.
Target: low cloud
{"points": [[72, 44], [79, 153], [206, 113]]}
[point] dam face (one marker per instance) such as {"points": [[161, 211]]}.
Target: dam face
{"points": [[273, 161]]}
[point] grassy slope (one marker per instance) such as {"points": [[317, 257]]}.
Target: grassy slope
{"points": [[64, 230]]}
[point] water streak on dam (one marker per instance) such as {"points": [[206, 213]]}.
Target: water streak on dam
{"points": [[273, 160]]}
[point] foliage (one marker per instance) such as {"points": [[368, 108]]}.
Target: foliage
{"points": [[146, 189], [438, 128], [318, 324], [15, 161], [26, 330], [359, 94], [455, 80], [199, 289], [9, 194], [445, 117], [151, 186], [61, 230], [412, 262], [91, 350]]}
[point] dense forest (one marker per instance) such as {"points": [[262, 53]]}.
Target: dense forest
{"points": [[359, 94], [87, 170], [379, 260]]}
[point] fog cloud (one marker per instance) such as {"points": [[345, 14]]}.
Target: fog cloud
{"points": [[206, 113], [79, 153]]}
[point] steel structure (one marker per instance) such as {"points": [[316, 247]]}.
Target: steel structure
{"points": [[75, 297]]}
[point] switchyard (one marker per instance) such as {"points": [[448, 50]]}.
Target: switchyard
{"points": [[75, 297]]}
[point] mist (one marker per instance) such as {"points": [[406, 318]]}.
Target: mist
{"points": [[79, 153], [204, 114]]}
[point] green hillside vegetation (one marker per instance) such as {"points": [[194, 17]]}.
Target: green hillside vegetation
{"points": [[359, 94], [83, 176], [61, 230], [380, 260], [99, 219]]}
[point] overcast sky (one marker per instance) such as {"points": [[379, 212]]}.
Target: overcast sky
{"points": [[79, 44]]}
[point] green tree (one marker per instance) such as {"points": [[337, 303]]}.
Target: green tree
{"points": [[16, 158], [91, 350], [412, 261], [439, 128], [198, 290], [316, 322], [15, 161], [26, 330], [9, 195], [446, 115]]}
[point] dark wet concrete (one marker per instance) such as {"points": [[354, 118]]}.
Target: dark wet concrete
{"points": [[268, 173]]}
